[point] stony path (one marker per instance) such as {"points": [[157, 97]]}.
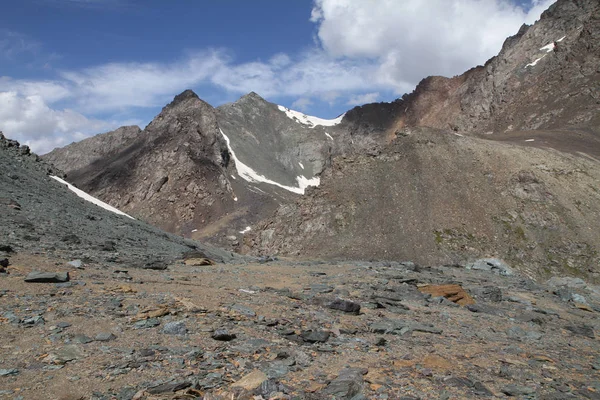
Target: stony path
{"points": [[289, 330]]}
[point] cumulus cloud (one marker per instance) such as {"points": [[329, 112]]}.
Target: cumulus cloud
{"points": [[411, 39], [117, 86], [31, 121]]}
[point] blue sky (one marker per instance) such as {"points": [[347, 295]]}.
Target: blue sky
{"points": [[72, 68]]}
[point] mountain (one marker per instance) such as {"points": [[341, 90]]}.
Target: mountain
{"points": [[502, 160], [545, 78], [455, 170], [204, 172], [42, 216]]}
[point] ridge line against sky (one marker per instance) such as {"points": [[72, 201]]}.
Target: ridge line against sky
{"points": [[73, 68]]}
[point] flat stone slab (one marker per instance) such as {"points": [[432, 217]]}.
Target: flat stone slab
{"points": [[47, 277]]}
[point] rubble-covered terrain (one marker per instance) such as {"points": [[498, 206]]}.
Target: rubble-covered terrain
{"points": [[295, 330]]}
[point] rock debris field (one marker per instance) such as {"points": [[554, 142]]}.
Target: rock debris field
{"points": [[293, 330]]}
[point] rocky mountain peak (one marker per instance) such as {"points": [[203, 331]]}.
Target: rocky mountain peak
{"points": [[185, 95], [251, 98]]}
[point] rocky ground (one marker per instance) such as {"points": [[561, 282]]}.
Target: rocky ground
{"points": [[294, 330]]}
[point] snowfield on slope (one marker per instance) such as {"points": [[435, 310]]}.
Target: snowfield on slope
{"points": [[250, 175], [310, 120], [89, 198]]}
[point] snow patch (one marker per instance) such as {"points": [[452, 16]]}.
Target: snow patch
{"points": [[89, 198], [458, 134], [533, 64], [250, 175], [530, 140], [235, 199], [562, 38], [194, 230], [233, 177], [300, 164], [247, 229], [548, 48], [328, 135], [310, 120]]}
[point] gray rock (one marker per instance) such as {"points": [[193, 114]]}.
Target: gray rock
{"points": [[321, 288], [401, 327], [247, 311], [582, 330], [33, 321], [516, 390], [127, 393], [518, 333], [276, 370], [575, 283], [8, 372], [83, 339], [317, 336], [175, 328], [105, 337], [494, 265], [169, 387], [347, 385], [345, 306], [47, 277], [66, 354], [223, 335], [488, 293], [147, 323]]}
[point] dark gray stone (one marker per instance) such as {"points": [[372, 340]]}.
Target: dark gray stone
{"points": [[169, 387], [147, 323], [105, 337], [582, 330], [223, 335], [345, 306], [348, 384], [317, 336], [83, 339], [516, 390]]}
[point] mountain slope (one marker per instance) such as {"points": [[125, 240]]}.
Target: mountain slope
{"points": [[435, 197], [42, 216]]}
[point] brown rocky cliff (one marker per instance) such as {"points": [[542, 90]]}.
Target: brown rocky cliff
{"points": [[514, 92]]}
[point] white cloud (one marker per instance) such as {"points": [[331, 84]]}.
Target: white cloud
{"points": [[411, 39], [13, 44], [31, 121], [117, 86], [360, 99]]}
